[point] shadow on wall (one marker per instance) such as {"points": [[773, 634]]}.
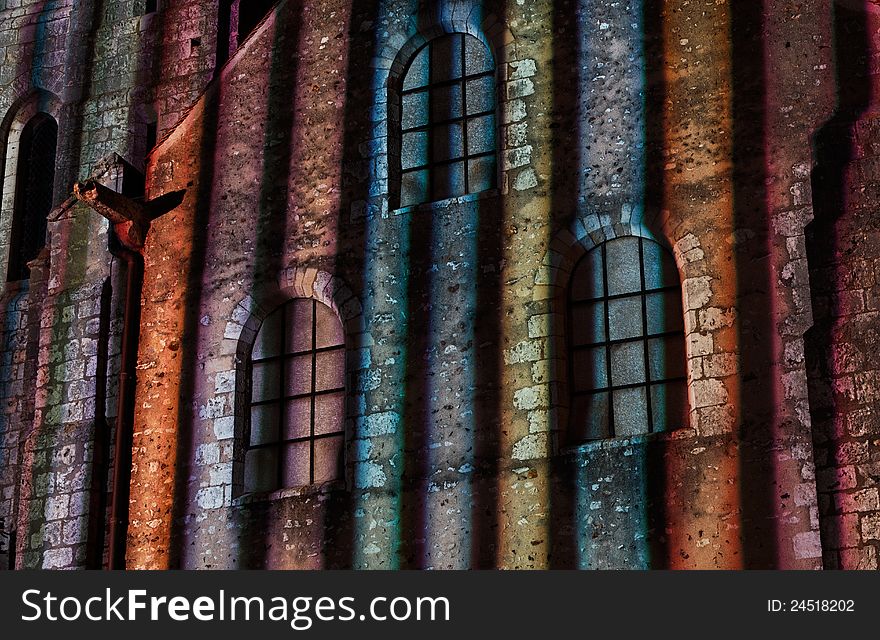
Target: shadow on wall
{"points": [[574, 529], [32, 64], [578, 540], [754, 288], [832, 255], [255, 522], [438, 312], [757, 402]]}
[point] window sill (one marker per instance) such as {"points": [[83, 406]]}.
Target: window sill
{"points": [[439, 204], [607, 444], [257, 497]]}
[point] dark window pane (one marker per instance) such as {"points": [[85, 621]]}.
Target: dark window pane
{"points": [[480, 95], [449, 180], [625, 318], [330, 370], [481, 174], [622, 261], [299, 325], [669, 405], [251, 13], [481, 135], [261, 469], [664, 312], [328, 330], [447, 142], [264, 424], [660, 270], [295, 464], [589, 369], [417, 74], [266, 381], [446, 102], [586, 281], [328, 458], [329, 412], [589, 419], [414, 150], [588, 323], [477, 56], [627, 363], [415, 110], [446, 61], [298, 375], [33, 193], [297, 418], [630, 412], [270, 337], [666, 358], [413, 188]]}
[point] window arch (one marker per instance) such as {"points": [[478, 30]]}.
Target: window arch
{"points": [[34, 181], [447, 129], [626, 342], [296, 370]]}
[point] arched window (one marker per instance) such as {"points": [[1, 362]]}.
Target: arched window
{"points": [[34, 180], [297, 406], [447, 121], [626, 342]]}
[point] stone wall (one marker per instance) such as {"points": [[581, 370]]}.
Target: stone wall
{"points": [[456, 375], [841, 352], [655, 118], [104, 71]]}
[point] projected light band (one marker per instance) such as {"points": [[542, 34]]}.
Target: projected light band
{"points": [[627, 341], [448, 121], [297, 398]]}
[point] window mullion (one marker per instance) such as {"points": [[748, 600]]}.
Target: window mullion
{"points": [[282, 349], [607, 339], [464, 120], [430, 90], [314, 386], [644, 297]]}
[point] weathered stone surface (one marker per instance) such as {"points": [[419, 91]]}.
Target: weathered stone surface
{"points": [[458, 376]]}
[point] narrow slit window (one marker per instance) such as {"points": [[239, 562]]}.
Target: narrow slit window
{"points": [[34, 182], [625, 333]]}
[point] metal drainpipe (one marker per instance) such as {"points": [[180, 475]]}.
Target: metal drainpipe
{"points": [[125, 409]]}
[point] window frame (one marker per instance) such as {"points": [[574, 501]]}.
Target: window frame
{"points": [[284, 397], [606, 343], [431, 165]]}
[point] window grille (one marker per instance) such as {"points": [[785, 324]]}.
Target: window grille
{"points": [[447, 128], [626, 342], [297, 398]]}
